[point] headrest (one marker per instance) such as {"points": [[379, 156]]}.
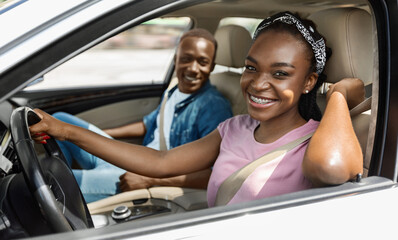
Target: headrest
{"points": [[348, 32], [233, 45]]}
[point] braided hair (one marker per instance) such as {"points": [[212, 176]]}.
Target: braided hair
{"points": [[308, 107]]}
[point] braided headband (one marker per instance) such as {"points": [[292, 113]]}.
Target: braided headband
{"points": [[314, 39]]}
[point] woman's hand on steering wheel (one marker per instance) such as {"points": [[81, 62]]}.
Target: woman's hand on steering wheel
{"points": [[47, 126]]}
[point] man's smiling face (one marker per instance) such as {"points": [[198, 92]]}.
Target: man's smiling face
{"points": [[194, 63]]}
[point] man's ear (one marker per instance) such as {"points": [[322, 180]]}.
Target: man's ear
{"points": [[311, 81], [213, 65]]}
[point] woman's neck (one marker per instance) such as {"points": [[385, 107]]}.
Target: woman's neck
{"points": [[271, 130]]}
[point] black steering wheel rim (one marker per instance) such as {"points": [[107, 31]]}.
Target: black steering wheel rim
{"points": [[21, 118]]}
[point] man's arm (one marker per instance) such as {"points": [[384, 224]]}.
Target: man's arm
{"points": [[136, 129], [131, 181]]}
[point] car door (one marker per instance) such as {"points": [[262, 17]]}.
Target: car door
{"points": [[363, 202]]}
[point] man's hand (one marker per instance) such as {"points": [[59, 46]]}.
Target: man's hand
{"points": [[131, 181], [352, 89], [136, 129]]}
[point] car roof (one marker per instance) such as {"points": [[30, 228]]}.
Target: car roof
{"points": [[34, 14]]}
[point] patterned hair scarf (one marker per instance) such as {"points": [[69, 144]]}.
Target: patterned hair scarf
{"points": [[310, 35]]}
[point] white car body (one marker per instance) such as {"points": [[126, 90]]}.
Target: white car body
{"points": [[354, 210]]}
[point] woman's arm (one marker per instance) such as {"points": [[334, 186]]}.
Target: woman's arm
{"points": [[136, 129], [191, 157], [334, 154]]}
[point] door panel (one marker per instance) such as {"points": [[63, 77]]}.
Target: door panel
{"points": [[120, 113]]}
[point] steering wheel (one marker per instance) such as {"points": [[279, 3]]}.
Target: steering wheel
{"points": [[50, 180]]}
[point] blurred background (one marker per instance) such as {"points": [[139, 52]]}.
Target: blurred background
{"points": [[140, 55]]}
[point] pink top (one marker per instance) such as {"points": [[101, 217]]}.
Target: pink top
{"points": [[238, 148]]}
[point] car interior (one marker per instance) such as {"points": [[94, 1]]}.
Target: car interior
{"points": [[349, 29], [347, 39]]}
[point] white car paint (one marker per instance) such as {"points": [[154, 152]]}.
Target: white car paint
{"points": [[321, 220]]}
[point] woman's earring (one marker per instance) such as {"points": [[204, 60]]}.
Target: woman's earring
{"points": [[306, 91]]}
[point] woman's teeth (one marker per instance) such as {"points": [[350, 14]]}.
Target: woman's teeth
{"points": [[260, 100]]}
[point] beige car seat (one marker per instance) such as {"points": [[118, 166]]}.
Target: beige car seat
{"points": [[233, 45], [349, 33]]}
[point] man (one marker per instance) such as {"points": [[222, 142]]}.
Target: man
{"points": [[189, 111]]}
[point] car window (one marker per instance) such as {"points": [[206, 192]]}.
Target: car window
{"points": [[140, 55], [249, 23]]}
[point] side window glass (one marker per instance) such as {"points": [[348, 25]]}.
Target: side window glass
{"points": [[140, 55], [249, 23]]}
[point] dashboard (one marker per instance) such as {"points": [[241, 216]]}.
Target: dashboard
{"points": [[8, 156]]}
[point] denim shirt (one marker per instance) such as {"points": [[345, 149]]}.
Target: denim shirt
{"points": [[195, 117]]}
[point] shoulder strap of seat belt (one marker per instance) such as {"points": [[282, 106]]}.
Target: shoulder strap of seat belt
{"points": [[233, 183], [162, 140], [362, 107]]}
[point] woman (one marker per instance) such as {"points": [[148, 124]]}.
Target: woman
{"points": [[283, 71]]}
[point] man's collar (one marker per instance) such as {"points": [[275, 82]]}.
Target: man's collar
{"points": [[206, 86]]}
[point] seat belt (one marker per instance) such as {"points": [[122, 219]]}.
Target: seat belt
{"points": [[364, 106], [162, 140], [233, 183]]}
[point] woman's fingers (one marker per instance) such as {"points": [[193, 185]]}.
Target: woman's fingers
{"points": [[48, 125], [40, 137], [352, 89], [37, 130], [38, 112]]}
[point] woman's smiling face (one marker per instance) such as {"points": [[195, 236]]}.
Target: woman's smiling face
{"points": [[275, 76]]}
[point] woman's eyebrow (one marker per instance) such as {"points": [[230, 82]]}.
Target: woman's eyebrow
{"points": [[282, 64], [278, 64]]}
